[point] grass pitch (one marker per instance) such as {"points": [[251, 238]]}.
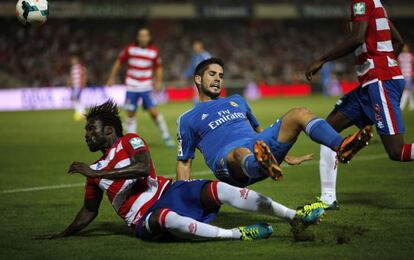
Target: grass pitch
{"points": [[376, 195]]}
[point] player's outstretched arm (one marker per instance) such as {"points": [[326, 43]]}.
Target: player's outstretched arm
{"points": [[397, 40], [114, 71], [293, 160], [140, 167], [184, 170], [355, 38], [86, 215]]}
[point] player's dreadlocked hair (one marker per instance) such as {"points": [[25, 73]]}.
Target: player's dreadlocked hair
{"points": [[108, 113]]}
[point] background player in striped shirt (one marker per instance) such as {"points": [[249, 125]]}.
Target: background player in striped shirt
{"points": [[77, 81], [144, 74], [376, 43], [406, 60], [154, 206]]}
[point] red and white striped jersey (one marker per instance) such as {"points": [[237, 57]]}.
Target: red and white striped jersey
{"points": [[130, 198], [375, 59], [78, 75], [141, 65], [406, 61]]}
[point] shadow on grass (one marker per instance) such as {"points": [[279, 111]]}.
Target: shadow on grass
{"points": [[235, 219], [107, 229], [225, 220], [373, 199]]}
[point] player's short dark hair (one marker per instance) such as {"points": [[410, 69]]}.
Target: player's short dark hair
{"points": [[194, 40], [202, 66], [108, 114]]}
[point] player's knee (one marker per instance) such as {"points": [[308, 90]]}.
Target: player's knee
{"points": [[301, 112], [299, 116], [394, 154], [239, 154]]}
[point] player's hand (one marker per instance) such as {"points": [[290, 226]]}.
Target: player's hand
{"points": [[158, 86], [47, 237], [292, 160], [82, 168], [313, 69], [110, 82]]}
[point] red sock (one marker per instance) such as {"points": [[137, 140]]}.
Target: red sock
{"points": [[407, 153]]}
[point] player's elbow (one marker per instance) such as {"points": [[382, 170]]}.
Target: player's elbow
{"points": [[147, 171], [358, 39]]}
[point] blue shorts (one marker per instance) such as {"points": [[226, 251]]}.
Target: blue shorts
{"points": [[269, 136], [182, 197], [132, 99], [76, 94], [377, 103]]}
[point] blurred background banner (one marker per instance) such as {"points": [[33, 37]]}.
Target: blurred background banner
{"points": [[266, 45]]}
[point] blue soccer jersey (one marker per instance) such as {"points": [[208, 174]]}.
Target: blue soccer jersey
{"points": [[211, 125]]}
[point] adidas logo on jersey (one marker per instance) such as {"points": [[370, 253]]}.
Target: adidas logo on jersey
{"points": [[204, 116]]}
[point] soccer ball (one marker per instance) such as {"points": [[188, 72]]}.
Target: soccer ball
{"points": [[32, 12]]}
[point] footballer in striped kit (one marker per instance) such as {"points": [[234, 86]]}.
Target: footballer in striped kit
{"points": [[144, 74], [77, 82], [376, 43], [156, 207]]}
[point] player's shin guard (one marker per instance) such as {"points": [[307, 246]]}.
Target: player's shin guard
{"points": [[328, 169], [321, 132], [162, 125], [185, 227], [252, 168], [131, 125], [248, 200], [407, 153]]}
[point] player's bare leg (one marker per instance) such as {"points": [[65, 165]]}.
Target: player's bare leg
{"points": [[159, 120], [397, 149], [131, 122], [244, 166], [235, 165], [320, 131]]}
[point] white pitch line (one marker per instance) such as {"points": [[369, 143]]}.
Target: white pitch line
{"points": [[200, 173], [74, 185]]}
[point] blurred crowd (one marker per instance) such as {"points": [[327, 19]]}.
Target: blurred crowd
{"points": [[272, 51], [231, 2]]}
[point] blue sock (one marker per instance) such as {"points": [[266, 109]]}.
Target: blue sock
{"points": [[252, 168], [321, 132]]}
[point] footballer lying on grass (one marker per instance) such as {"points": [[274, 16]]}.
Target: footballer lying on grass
{"points": [[157, 208]]}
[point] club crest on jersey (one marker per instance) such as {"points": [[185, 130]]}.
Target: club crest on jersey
{"points": [[234, 104], [204, 116], [359, 8], [136, 143]]}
